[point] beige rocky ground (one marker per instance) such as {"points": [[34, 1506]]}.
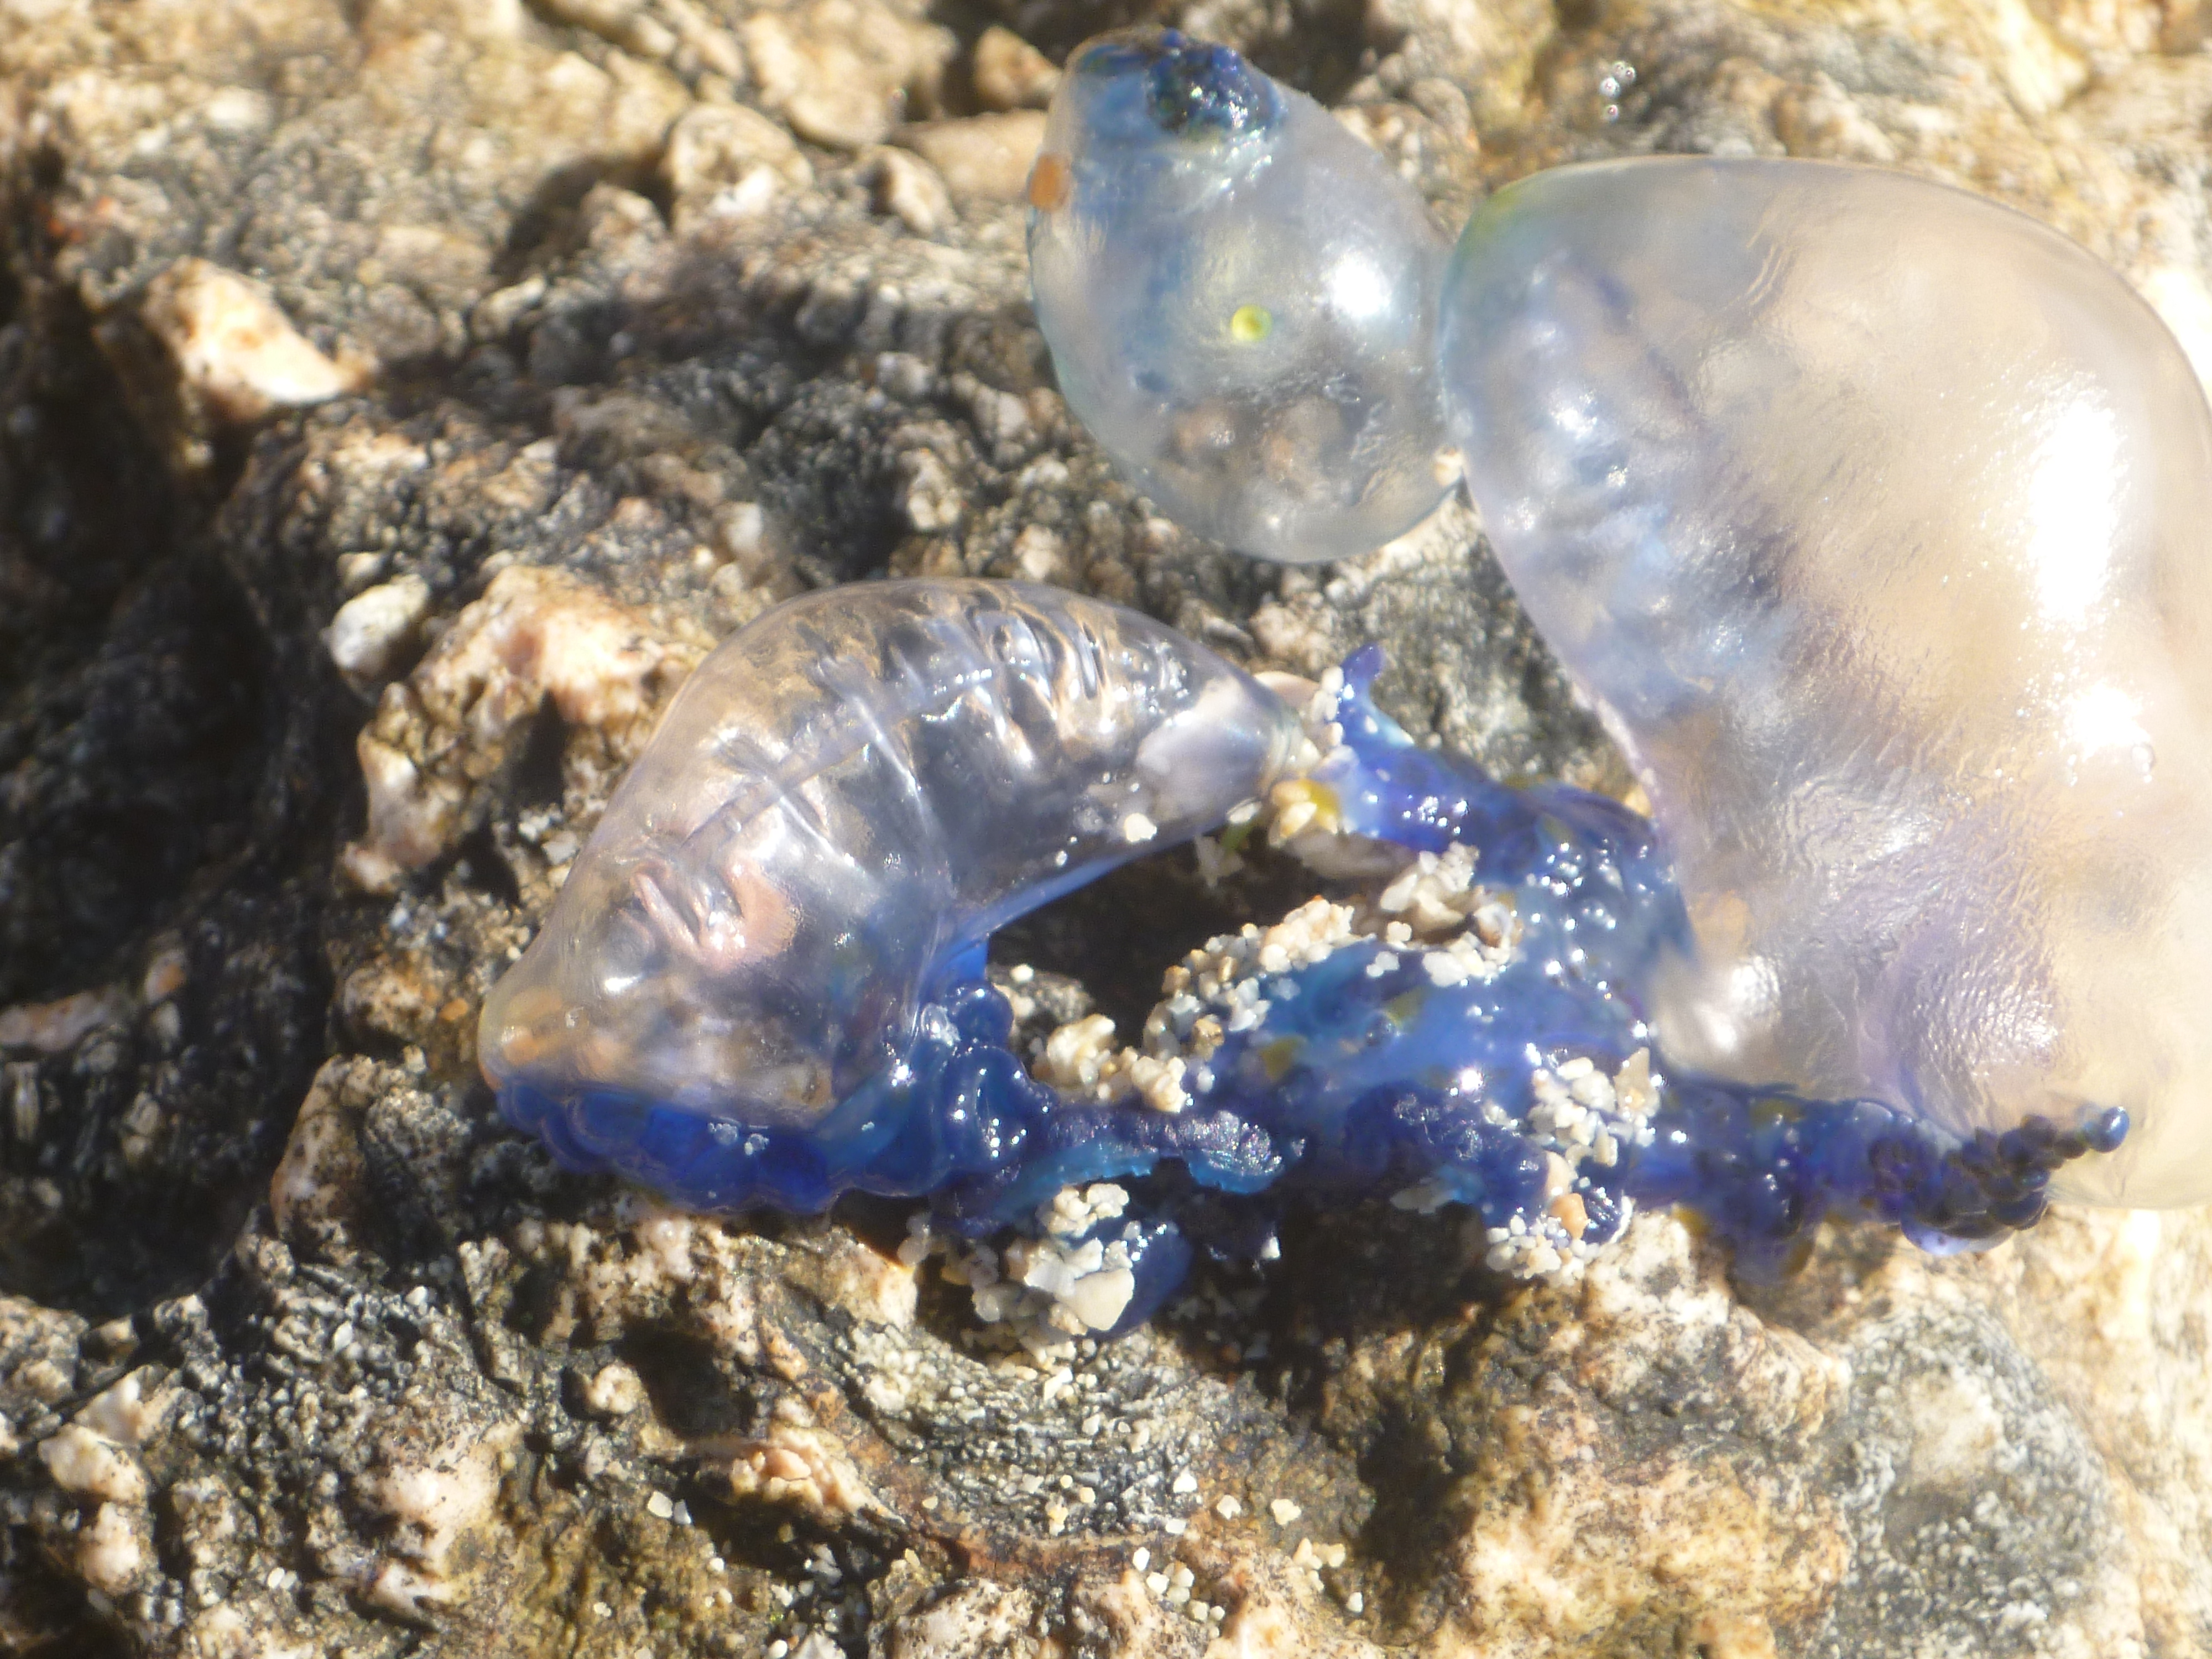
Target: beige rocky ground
{"points": [[395, 400]]}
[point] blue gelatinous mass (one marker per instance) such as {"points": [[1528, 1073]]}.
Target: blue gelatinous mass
{"points": [[1240, 298], [763, 981], [842, 802], [1874, 517]]}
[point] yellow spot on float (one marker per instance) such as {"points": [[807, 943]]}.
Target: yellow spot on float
{"points": [[1250, 324], [1277, 1058]]}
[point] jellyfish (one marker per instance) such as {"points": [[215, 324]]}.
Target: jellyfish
{"points": [[1866, 512]]}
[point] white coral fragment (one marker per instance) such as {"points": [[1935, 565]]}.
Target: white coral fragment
{"points": [[1046, 1292], [91, 1465], [234, 350], [366, 637]]}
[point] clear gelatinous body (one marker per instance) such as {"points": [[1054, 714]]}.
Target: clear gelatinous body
{"points": [[1874, 516], [1240, 297], [840, 804]]}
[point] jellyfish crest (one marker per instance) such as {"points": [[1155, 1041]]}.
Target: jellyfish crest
{"points": [[1141, 83]]}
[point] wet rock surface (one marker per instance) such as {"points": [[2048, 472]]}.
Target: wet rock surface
{"points": [[395, 400]]}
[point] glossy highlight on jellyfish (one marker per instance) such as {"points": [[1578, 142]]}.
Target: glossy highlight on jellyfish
{"points": [[1871, 516], [1240, 298]]}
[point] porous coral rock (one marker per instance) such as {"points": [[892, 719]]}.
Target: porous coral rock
{"points": [[638, 338], [536, 637], [841, 72]]}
